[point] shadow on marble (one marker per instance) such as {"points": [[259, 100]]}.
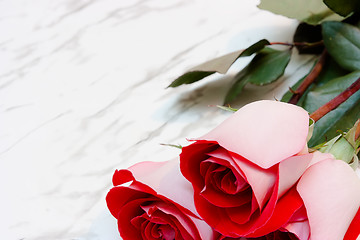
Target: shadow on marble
{"points": [[104, 227]]}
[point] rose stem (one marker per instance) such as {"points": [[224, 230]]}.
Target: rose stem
{"points": [[335, 102], [357, 131], [304, 44], [310, 78]]}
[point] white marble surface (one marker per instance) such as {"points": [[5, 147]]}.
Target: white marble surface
{"points": [[82, 92]]}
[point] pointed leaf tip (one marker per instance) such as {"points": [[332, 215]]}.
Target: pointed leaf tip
{"points": [[219, 65]]}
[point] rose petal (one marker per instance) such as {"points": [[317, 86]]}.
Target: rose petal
{"points": [[290, 170], [331, 193], [218, 218], [265, 132], [223, 200], [168, 214], [218, 197], [119, 196], [262, 181], [353, 231], [122, 176], [173, 191], [299, 224], [284, 210], [162, 177], [191, 156], [221, 153], [167, 231], [300, 229], [358, 172], [319, 156], [126, 228], [240, 214], [147, 230], [184, 220]]}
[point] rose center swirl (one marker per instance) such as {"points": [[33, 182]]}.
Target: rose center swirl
{"points": [[153, 222], [223, 185]]}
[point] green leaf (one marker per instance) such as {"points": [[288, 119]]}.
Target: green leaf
{"points": [[342, 118], [330, 71], [229, 109], [190, 77], [171, 145], [240, 80], [344, 147], [306, 33], [343, 7], [343, 43], [310, 11], [287, 96], [266, 67], [220, 64], [354, 20], [255, 48]]}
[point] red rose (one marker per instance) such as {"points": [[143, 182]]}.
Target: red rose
{"points": [[152, 200], [253, 178], [331, 194], [244, 171]]}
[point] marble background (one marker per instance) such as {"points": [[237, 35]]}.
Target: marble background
{"points": [[83, 92]]}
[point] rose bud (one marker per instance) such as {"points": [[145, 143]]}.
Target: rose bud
{"points": [[344, 147], [152, 200]]}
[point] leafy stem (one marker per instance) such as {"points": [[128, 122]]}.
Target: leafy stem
{"points": [[303, 44], [335, 102], [310, 78]]}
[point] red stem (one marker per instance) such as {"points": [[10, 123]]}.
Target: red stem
{"points": [[357, 131], [310, 78], [335, 102], [299, 44], [282, 43]]}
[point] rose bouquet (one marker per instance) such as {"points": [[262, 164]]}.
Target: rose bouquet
{"points": [[271, 171], [252, 177]]}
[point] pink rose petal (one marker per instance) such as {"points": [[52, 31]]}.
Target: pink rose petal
{"points": [[162, 177], [290, 170], [217, 197], [262, 181], [319, 156], [283, 213], [171, 195], [300, 229], [266, 132], [331, 193]]}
